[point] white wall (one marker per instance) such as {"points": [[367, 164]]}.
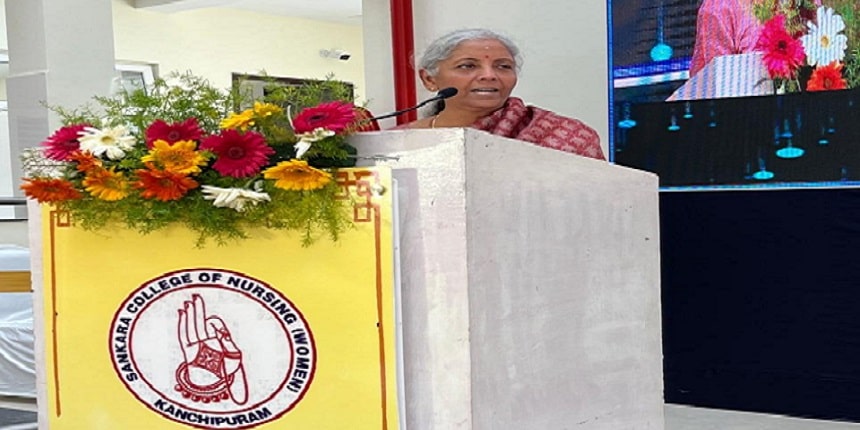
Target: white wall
{"points": [[564, 45], [4, 68], [14, 233], [6, 187], [216, 42]]}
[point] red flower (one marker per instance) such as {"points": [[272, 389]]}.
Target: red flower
{"points": [[782, 54], [334, 116], [163, 185], [825, 78], [63, 142], [49, 190], [172, 133], [238, 154]]}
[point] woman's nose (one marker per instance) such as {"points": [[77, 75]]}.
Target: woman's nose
{"points": [[488, 73]]}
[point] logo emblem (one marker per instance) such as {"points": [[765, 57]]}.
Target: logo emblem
{"points": [[213, 349]]}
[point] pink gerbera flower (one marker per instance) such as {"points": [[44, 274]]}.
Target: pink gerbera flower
{"points": [[172, 133], [64, 142], [781, 53], [238, 154], [334, 116]]}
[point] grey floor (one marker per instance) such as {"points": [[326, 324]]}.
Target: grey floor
{"points": [[689, 418], [678, 417]]}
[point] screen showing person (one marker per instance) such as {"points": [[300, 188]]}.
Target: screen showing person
{"points": [[736, 93]]}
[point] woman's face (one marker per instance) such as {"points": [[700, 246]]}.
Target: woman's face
{"points": [[483, 72]]}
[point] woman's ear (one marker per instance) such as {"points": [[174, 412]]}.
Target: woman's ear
{"points": [[428, 80]]}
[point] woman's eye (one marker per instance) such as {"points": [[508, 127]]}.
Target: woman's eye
{"points": [[466, 66], [505, 66]]}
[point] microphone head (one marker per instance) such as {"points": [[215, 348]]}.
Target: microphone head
{"points": [[445, 93]]}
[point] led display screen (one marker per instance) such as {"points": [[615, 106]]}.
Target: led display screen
{"points": [[702, 95]]}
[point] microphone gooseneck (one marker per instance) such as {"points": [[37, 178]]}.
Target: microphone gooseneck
{"points": [[444, 93]]}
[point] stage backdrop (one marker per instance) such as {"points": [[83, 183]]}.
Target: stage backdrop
{"points": [[149, 332]]}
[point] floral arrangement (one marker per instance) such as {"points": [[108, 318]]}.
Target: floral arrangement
{"points": [[811, 45], [185, 152]]}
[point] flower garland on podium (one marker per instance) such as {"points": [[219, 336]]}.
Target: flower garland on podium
{"points": [[184, 152]]}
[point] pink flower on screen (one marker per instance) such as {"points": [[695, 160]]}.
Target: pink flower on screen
{"points": [[782, 54]]}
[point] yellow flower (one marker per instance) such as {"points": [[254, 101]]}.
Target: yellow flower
{"points": [[240, 121], [181, 157], [263, 110], [106, 184], [297, 175]]}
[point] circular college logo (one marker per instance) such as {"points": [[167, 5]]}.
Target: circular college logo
{"points": [[213, 349]]}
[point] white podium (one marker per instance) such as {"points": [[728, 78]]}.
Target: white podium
{"points": [[738, 75], [530, 284]]}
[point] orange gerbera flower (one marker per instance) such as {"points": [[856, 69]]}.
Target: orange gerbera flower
{"points": [[106, 184], [46, 190], [297, 175], [86, 161], [179, 157], [163, 185], [826, 78]]}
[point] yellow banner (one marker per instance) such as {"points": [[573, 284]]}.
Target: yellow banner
{"points": [[149, 332]]}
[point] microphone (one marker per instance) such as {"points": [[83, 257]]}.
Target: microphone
{"points": [[443, 94]]}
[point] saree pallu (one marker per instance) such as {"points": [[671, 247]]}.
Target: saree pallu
{"points": [[543, 128]]}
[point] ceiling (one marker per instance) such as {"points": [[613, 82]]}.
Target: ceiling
{"points": [[342, 11]]}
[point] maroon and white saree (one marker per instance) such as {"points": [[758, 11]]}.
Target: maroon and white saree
{"points": [[543, 128]]}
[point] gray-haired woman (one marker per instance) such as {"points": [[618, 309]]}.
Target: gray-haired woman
{"points": [[482, 65]]}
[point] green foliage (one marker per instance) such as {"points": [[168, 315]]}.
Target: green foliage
{"points": [[851, 72], [766, 9], [310, 94]]}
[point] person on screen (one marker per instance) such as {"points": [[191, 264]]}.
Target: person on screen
{"points": [[723, 27], [482, 65]]}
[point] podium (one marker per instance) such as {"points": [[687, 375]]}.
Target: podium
{"points": [[528, 298], [737, 75], [530, 284]]}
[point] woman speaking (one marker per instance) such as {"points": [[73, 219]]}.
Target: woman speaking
{"points": [[482, 65]]}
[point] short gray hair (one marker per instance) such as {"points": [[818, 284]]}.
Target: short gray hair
{"points": [[441, 48]]}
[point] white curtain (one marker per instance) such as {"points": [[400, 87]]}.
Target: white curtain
{"points": [[17, 360]]}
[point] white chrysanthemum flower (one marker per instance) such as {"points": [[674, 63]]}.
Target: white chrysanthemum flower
{"points": [[306, 139], [112, 142], [233, 198], [823, 43]]}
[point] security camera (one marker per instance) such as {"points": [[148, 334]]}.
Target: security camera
{"points": [[340, 54]]}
